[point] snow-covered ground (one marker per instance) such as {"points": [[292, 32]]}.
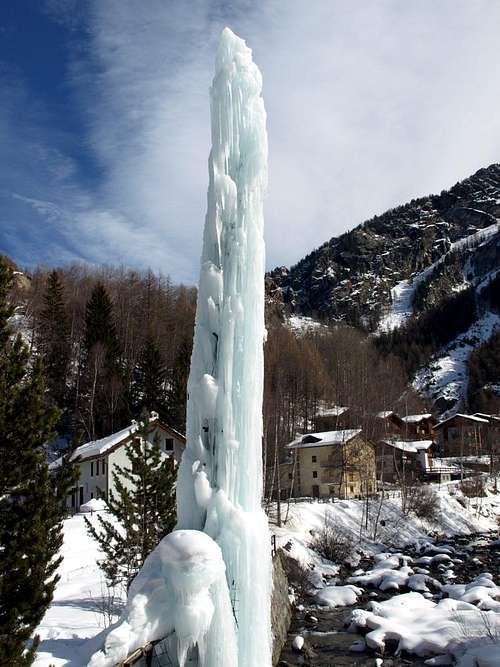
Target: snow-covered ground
{"points": [[306, 518], [75, 613], [449, 623], [446, 375]]}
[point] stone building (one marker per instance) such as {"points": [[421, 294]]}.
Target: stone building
{"points": [[327, 464]]}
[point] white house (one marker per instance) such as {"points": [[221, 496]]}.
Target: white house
{"points": [[99, 457]]}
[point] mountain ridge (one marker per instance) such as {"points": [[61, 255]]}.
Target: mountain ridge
{"points": [[349, 278]]}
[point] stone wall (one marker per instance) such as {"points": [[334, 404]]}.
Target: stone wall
{"points": [[281, 609]]}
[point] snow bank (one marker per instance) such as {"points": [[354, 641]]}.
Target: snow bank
{"points": [[75, 614], [306, 519], [180, 591], [93, 505]]}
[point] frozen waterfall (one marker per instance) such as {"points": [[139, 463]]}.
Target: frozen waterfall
{"points": [[207, 586], [220, 478]]}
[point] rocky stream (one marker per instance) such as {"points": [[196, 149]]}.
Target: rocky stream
{"points": [[325, 636]]}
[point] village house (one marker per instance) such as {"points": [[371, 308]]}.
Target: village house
{"points": [[462, 435], [332, 417], [408, 427], [418, 426], [399, 460], [98, 458], [330, 464]]}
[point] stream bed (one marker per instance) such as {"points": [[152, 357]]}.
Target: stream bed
{"points": [[327, 641]]}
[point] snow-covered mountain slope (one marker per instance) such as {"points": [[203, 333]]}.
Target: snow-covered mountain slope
{"points": [[402, 304], [350, 278], [445, 379], [405, 264]]}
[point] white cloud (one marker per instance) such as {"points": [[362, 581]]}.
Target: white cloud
{"points": [[369, 104]]}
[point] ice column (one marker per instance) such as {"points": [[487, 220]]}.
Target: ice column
{"points": [[220, 478]]}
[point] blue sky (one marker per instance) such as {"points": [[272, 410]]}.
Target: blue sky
{"points": [[104, 119]]}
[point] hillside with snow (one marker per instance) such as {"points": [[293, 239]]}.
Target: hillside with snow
{"points": [[403, 267]]}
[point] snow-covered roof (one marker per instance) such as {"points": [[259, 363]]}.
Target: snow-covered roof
{"points": [[101, 446], [324, 438], [384, 414], [334, 411], [483, 415], [472, 418], [414, 419], [98, 447], [412, 446]]}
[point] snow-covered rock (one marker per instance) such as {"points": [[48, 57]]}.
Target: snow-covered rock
{"points": [[338, 596]]}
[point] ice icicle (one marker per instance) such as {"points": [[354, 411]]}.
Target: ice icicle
{"points": [[220, 478]]}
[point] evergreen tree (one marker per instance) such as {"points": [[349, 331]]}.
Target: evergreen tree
{"points": [[54, 339], [177, 392], [144, 508], [100, 327], [30, 509], [102, 403], [149, 380]]}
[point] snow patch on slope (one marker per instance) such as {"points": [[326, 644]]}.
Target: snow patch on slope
{"points": [[402, 293], [300, 324], [446, 376]]}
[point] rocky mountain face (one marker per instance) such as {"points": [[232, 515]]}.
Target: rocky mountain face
{"points": [[350, 278]]}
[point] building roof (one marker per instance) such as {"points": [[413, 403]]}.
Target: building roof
{"points": [[333, 411], [472, 418], [412, 446], [384, 414], [415, 419], [494, 418], [104, 445], [324, 439]]}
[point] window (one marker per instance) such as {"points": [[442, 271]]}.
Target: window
{"points": [[290, 475], [91, 495], [97, 468], [103, 466], [315, 474], [314, 459], [91, 468], [169, 444], [351, 488]]}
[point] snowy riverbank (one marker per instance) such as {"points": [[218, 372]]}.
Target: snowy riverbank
{"points": [[406, 596]]}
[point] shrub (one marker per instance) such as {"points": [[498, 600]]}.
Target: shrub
{"points": [[473, 488], [332, 542], [423, 501], [298, 575]]}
